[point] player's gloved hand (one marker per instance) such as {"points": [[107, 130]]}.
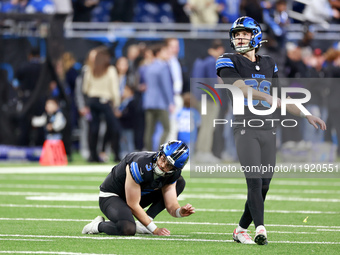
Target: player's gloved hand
{"points": [[161, 232]]}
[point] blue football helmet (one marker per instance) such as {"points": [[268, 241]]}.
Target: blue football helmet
{"points": [[176, 152], [250, 25]]}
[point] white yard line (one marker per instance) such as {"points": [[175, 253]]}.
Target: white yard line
{"points": [[270, 232], [51, 252], [243, 190], [274, 182], [326, 230], [187, 190], [155, 239], [51, 206], [49, 187], [197, 209], [267, 211], [56, 169], [173, 222], [269, 197], [60, 169], [25, 239], [54, 196]]}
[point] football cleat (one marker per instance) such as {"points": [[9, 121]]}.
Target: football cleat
{"points": [[261, 236], [92, 228], [242, 237], [141, 229]]}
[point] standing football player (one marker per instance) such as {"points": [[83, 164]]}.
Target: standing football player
{"points": [[141, 179], [255, 146]]}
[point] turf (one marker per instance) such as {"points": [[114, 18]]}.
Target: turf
{"points": [[37, 216]]}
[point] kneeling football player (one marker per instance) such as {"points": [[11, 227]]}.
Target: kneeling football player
{"points": [[139, 180]]}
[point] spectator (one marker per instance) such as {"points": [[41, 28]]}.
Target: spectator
{"points": [[177, 83], [180, 11], [127, 114], [6, 134], [52, 120], [82, 9], [317, 104], [158, 97], [294, 66], [60, 88], [314, 14], [102, 89], [276, 17], [27, 76], [203, 12], [228, 10], [204, 144], [335, 4], [83, 110], [122, 66], [148, 58]]}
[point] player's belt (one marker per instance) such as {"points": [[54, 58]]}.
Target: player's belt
{"points": [[107, 194]]}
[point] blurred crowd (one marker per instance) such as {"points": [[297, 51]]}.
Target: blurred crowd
{"points": [[142, 99], [272, 12]]}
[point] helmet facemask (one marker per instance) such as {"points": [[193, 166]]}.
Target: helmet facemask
{"points": [[158, 171], [250, 25], [244, 48]]}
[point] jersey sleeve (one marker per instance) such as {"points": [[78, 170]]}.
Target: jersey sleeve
{"points": [[229, 75], [226, 69], [136, 173], [224, 62]]}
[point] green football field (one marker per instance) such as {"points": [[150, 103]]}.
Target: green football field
{"points": [[43, 211]]}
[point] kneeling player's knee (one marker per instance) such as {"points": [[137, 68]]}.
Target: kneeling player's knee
{"points": [[127, 228], [180, 185]]}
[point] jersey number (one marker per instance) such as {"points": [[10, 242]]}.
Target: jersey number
{"points": [[264, 86]]}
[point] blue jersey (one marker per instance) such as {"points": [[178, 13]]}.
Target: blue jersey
{"points": [[141, 170], [260, 75]]}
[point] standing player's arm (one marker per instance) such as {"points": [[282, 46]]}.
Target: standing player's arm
{"points": [[257, 95], [171, 202], [231, 74], [133, 197], [313, 120]]}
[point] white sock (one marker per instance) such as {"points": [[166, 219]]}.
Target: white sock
{"points": [[240, 229]]}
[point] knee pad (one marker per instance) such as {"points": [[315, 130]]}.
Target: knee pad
{"points": [[126, 228]]}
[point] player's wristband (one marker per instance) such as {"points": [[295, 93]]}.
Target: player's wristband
{"points": [[178, 214], [151, 227], [302, 115]]}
